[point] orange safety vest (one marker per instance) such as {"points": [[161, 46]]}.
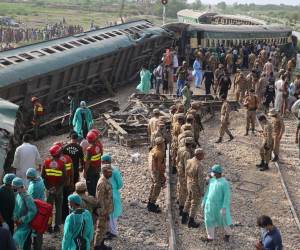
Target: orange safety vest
{"points": [[68, 164], [53, 171], [38, 109], [95, 153]]}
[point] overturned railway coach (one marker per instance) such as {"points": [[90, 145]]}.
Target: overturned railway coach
{"points": [[90, 64], [192, 36]]}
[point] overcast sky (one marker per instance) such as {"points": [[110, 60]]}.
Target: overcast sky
{"points": [[287, 2]]}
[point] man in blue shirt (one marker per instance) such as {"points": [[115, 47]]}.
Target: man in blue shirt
{"points": [[270, 235]]}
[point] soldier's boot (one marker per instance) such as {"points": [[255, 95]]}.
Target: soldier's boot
{"points": [[276, 158], [153, 208], [262, 163], [180, 210], [219, 140], [253, 131], [231, 137], [192, 223], [265, 167], [174, 170], [184, 218], [226, 238], [104, 247], [247, 132]]}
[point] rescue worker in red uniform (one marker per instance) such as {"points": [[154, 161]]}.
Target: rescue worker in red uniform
{"points": [[68, 185], [38, 112], [54, 175], [93, 161]]}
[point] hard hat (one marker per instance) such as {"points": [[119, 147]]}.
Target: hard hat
{"points": [[34, 98], [55, 150], [31, 172], [96, 131], [91, 137], [17, 182], [8, 178]]}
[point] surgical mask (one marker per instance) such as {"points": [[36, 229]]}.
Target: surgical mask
{"points": [[71, 209], [212, 174], [69, 98]]}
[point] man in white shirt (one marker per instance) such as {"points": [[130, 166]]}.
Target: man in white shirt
{"points": [[26, 156]]}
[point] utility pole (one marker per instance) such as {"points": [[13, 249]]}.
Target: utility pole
{"points": [[164, 3]]}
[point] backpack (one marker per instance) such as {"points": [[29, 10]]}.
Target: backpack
{"points": [[44, 213]]}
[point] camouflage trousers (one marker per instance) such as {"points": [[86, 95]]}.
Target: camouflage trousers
{"points": [[181, 187], [276, 144], [101, 228], [266, 154], [155, 187], [192, 200], [239, 95], [251, 118], [174, 148], [224, 129]]}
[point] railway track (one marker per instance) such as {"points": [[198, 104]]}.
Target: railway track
{"points": [[288, 168]]}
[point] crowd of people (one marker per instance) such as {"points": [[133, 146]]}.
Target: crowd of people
{"points": [[10, 37], [84, 203], [91, 201]]}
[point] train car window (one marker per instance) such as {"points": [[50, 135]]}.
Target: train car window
{"points": [[26, 56], [129, 31], [50, 51], [117, 33], [37, 53], [90, 39], [83, 41], [15, 59], [5, 62], [125, 32], [110, 34], [140, 27], [104, 36], [75, 43], [98, 38], [67, 46], [58, 48]]}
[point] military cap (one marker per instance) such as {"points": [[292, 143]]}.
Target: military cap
{"points": [[189, 140], [189, 116], [273, 112], [74, 198], [186, 127], [80, 186], [217, 169], [159, 140], [156, 111], [199, 151], [196, 104], [180, 116], [8, 178]]}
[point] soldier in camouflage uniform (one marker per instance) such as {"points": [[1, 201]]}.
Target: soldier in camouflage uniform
{"points": [[160, 132], [157, 168], [225, 112], [195, 185], [105, 206], [184, 154], [195, 111], [176, 130], [267, 146]]}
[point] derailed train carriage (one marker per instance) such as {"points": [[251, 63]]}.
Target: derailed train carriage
{"points": [[90, 64], [210, 36]]}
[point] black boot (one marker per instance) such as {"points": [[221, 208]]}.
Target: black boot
{"points": [[174, 170], [262, 163], [219, 140], [180, 210], [246, 133], [105, 247], [185, 218], [265, 167], [253, 131], [231, 137], [153, 208], [226, 238], [192, 223], [276, 158]]}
